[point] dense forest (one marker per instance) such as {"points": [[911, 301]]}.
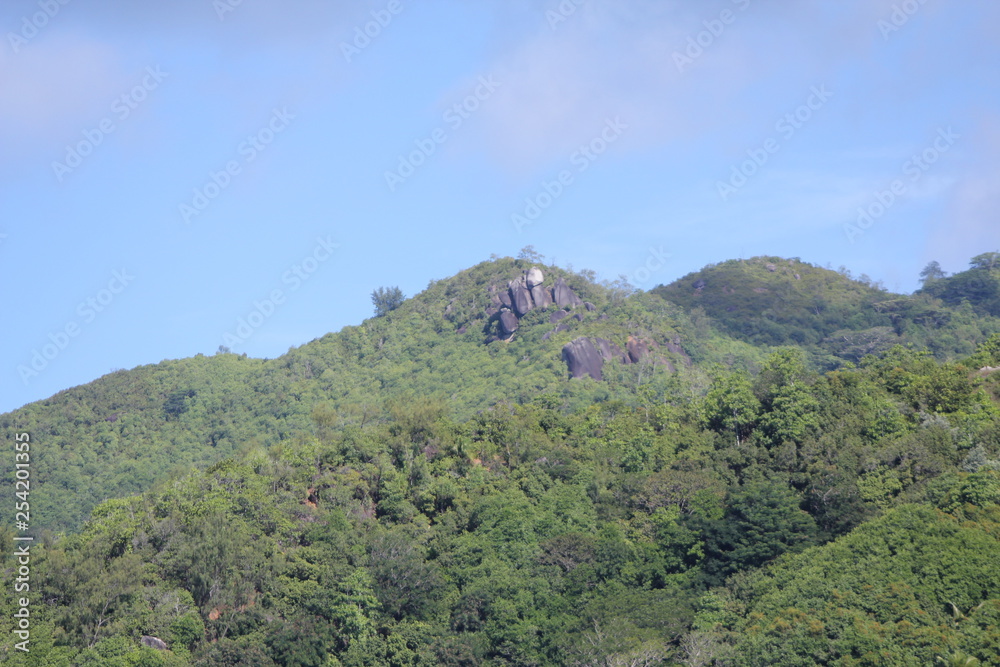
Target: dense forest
{"points": [[769, 463]]}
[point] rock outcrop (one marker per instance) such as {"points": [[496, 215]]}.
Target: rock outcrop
{"points": [[583, 359], [541, 297], [564, 296], [637, 349], [508, 323], [520, 298], [610, 351], [153, 642]]}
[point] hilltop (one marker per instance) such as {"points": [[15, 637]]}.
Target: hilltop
{"points": [[522, 465]]}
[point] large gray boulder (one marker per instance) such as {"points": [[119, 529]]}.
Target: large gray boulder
{"points": [[564, 296], [153, 642], [637, 349], [556, 316], [508, 323], [583, 359], [541, 297], [520, 299], [610, 351]]}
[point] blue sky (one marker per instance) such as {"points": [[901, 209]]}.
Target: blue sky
{"points": [[167, 169]]}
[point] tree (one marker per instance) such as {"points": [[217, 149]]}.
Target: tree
{"points": [[932, 272], [763, 521], [988, 261], [529, 254], [386, 299]]}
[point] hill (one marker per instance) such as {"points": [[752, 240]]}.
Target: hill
{"points": [[775, 301], [129, 430], [482, 477]]}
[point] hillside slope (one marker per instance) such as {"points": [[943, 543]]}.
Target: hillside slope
{"points": [[131, 429], [776, 301]]}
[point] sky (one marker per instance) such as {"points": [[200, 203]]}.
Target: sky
{"points": [[184, 175]]}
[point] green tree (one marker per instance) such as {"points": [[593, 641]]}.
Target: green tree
{"points": [[731, 406], [763, 521], [387, 299], [987, 261], [931, 273]]}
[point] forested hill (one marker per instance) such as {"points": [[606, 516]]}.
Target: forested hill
{"points": [[123, 432], [775, 301], [523, 466]]}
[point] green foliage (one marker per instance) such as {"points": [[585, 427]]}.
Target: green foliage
{"points": [[412, 492], [387, 299]]}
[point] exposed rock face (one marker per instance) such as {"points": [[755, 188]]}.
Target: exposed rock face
{"points": [[609, 350], [700, 283], [505, 298], [154, 642], [564, 296], [583, 359], [589, 306], [520, 299], [541, 297], [556, 316], [508, 322], [534, 277], [771, 267], [637, 349]]}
